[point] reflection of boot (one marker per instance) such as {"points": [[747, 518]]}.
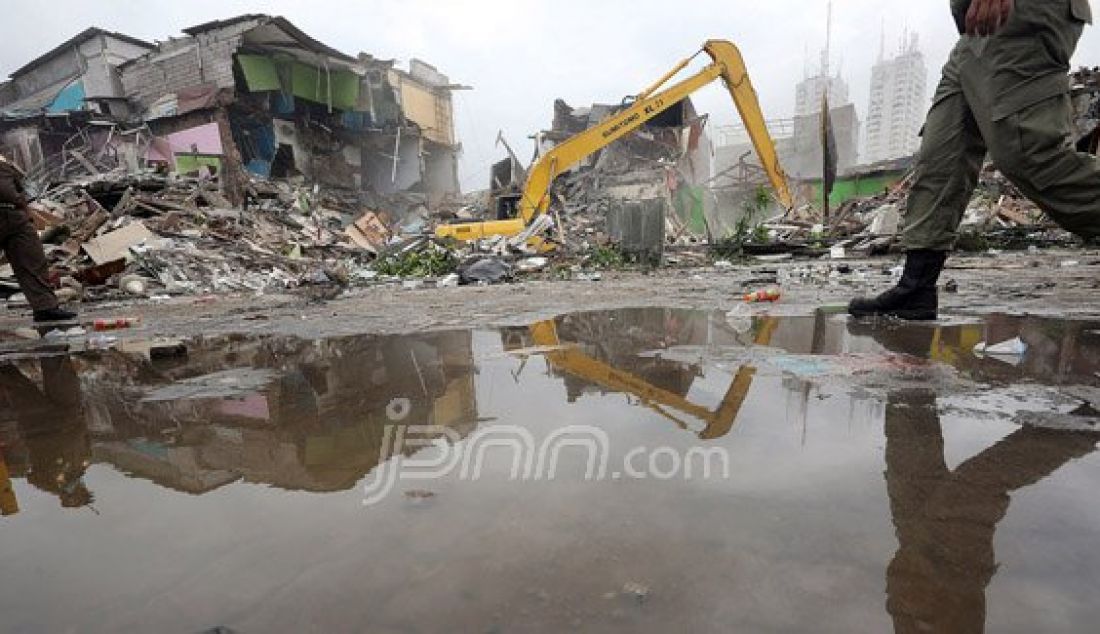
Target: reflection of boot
{"points": [[898, 338], [914, 298], [53, 315]]}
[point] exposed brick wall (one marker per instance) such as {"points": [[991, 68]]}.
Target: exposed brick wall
{"points": [[205, 59]]}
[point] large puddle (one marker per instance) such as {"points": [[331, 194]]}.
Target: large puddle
{"points": [[651, 469]]}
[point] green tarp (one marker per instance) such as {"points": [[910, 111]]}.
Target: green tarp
{"points": [[856, 187], [301, 80]]}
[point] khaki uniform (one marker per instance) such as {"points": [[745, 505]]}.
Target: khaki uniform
{"points": [[20, 241], [1006, 96]]}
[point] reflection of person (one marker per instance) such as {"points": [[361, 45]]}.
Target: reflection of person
{"points": [[9, 505], [1004, 93], [23, 247], [945, 520], [52, 428]]}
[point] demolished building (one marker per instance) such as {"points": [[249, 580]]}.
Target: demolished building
{"points": [[250, 95], [664, 166]]}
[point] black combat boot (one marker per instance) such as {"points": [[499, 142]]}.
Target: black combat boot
{"points": [[914, 298], [53, 315]]}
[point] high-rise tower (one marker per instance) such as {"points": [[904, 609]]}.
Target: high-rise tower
{"points": [[899, 94]]}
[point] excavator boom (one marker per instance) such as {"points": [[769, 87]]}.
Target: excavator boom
{"points": [[727, 64], [719, 422]]}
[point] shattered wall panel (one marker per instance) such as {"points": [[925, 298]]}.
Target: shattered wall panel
{"points": [[379, 173], [426, 108], [638, 227]]}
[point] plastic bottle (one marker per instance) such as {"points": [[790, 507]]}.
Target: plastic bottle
{"points": [[764, 295], [116, 323]]}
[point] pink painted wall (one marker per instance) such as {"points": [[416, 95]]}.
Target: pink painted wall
{"points": [[204, 139]]}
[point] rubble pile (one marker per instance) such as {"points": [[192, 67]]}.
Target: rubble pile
{"points": [[998, 215], [1085, 92], [148, 234]]}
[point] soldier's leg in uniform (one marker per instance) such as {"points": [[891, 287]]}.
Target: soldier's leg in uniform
{"points": [[948, 166], [1027, 123], [1032, 148], [28, 261]]}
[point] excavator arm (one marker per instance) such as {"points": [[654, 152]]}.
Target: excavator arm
{"points": [[727, 64]]}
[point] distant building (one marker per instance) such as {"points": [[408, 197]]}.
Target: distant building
{"points": [[808, 93], [807, 162], [899, 93], [806, 158]]}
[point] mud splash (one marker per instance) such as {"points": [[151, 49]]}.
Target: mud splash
{"points": [[868, 477]]}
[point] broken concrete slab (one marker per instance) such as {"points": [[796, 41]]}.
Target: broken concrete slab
{"points": [[116, 244]]}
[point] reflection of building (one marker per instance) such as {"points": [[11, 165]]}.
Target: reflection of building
{"points": [[296, 415]]}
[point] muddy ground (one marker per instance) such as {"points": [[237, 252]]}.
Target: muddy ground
{"points": [[1054, 282]]}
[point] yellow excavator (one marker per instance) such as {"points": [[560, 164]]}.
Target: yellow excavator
{"points": [[727, 64], [571, 359]]}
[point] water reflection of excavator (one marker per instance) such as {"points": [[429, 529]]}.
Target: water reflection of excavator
{"points": [[572, 360], [727, 64]]}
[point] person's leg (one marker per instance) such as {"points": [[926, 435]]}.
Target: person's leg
{"points": [[948, 166], [28, 261], [1032, 148]]}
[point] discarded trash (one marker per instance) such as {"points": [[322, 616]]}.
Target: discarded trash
{"points": [[740, 318], [485, 271], [101, 342], [764, 295], [530, 265], [837, 253], [723, 264], [134, 284], [66, 333], [1011, 351], [637, 591], [450, 281], [951, 287], [119, 323]]}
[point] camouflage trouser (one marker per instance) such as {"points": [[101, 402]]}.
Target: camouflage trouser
{"points": [[1006, 96]]}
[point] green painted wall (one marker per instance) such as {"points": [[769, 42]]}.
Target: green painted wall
{"points": [[856, 187], [302, 80]]}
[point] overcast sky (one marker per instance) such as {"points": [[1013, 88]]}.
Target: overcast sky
{"points": [[519, 55]]}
